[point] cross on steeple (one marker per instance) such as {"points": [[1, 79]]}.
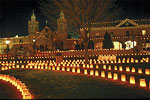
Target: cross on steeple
{"points": [[46, 22]]}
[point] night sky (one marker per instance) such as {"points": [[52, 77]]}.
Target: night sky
{"points": [[16, 13]]}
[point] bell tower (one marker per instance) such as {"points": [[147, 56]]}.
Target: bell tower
{"points": [[62, 24], [33, 25]]}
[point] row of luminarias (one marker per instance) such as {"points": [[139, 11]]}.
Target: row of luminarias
{"points": [[71, 63], [92, 72], [21, 87], [46, 54]]}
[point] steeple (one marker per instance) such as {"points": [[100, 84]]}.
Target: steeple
{"points": [[62, 15], [46, 22], [33, 17]]}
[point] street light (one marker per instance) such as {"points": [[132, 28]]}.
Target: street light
{"points": [[7, 43], [34, 45]]}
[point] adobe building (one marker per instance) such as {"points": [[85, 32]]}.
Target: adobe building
{"points": [[132, 33], [122, 31], [36, 40]]}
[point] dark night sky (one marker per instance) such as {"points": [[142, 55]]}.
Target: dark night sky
{"points": [[16, 13]]}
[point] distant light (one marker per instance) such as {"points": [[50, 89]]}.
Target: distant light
{"points": [[16, 36], [7, 41]]}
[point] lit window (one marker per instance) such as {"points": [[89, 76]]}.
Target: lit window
{"points": [[143, 32], [88, 35]]}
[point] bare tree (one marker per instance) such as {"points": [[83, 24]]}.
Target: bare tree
{"points": [[82, 13]]}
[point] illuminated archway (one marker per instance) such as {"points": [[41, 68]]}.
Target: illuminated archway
{"points": [[130, 44], [98, 45], [117, 45]]}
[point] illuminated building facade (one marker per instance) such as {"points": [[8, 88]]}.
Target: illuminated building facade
{"points": [[123, 32]]}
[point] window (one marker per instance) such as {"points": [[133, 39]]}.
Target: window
{"points": [[46, 30], [111, 34], [61, 26], [97, 35], [88, 35], [143, 32], [127, 33]]}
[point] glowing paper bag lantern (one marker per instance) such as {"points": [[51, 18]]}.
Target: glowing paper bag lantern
{"points": [[87, 66], [68, 69], [91, 72], [97, 66], [53, 68], [147, 71], [109, 67], [58, 68], [109, 75], [133, 69], [120, 68], [73, 70], [132, 80], [115, 68], [140, 70], [85, 71], [102, 74], [123, 78], [127, 69], [96, 73], [104, 66], [91, 66], [115, 76], [63, 69], [78, 70], [142, 83]]}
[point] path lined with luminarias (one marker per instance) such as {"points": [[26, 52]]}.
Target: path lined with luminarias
{"points": [[126, 70], [20, 86]]}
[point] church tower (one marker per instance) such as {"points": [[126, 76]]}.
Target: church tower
{"points": [[33, 25], [62, 24]]}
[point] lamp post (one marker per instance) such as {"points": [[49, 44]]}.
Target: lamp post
{"points": [[7, 43], [34, 45]]}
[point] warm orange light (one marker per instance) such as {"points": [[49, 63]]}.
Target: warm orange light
{"points": [[63, 69], [109, 67], [53, 68], [25, 92], [133, 69], [68, 69], [147, 71], [104, 66], [127, 69], [115, 77], [17, 66], [85, 71], [115, 68], [120, 68], [109, 75], [35, 67], [27, 96], [96, 73], [102, 74], [142, 83], [58, 68], [91, 66], [136, 61], [78, 70], [3, 68], [91, 72], [97, 66], [73, 70], [132, 80], [87, 66], [140, 70], [123, 78], [22, 66]]}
